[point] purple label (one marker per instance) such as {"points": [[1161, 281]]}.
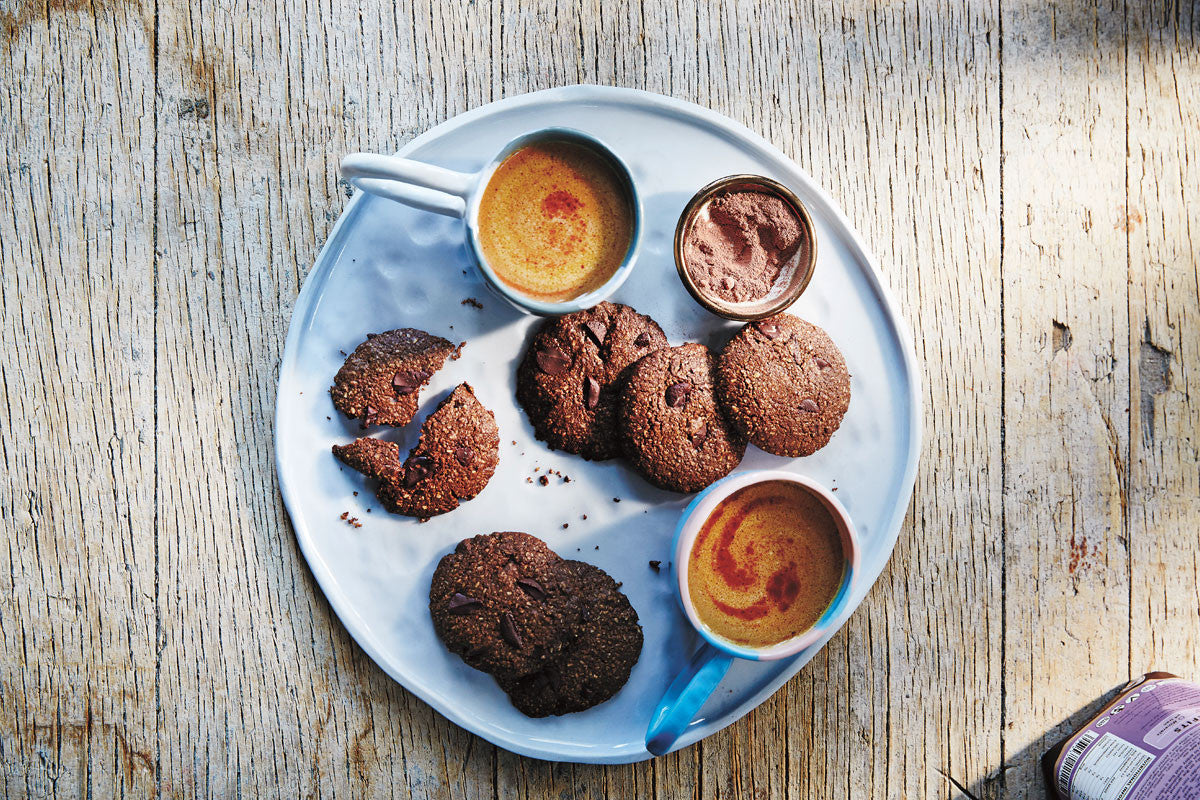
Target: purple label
{"points": [[1146, 747]]}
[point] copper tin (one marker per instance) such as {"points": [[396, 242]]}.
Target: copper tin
{"points": [[791, 281]]}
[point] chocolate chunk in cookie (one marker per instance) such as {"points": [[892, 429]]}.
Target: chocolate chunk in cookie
{"points": [[607, 643], [570, 376], [381, 380], [784, 384], [457, 453], [501, 603], [670, 424]]}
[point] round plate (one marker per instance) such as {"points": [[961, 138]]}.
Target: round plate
{"points": [[387, 266]]}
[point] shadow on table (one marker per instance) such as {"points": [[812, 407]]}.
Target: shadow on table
{"points": [[1021, 775]]}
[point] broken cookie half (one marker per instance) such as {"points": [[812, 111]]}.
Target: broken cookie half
{"points": [[381, 380], [453, 461]]}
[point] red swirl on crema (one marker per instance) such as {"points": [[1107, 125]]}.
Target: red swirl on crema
{"points": [[782, 588], [765, 564]]}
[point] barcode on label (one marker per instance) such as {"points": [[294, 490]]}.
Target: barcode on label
{"points": [[1068, 764]]}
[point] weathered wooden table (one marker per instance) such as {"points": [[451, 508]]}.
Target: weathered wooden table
{"points": [[1028, 173]]}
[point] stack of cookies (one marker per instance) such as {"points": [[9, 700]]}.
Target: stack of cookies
{"points": [[558, 636], [604, 382]]}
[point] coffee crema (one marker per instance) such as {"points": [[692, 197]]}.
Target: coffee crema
{"points": [[555, 221], [766, 564]]}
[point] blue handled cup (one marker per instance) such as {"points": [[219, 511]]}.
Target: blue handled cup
{"points": [[458, 194], [711, 661]]}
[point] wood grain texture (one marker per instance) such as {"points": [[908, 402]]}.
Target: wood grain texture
{"points": [[1026, 173], [1066, 398]]}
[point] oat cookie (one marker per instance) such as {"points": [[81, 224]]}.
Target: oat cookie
{"points": [[571, 373], [498, 603], [784, 384], [670, 423], [597, 664]]}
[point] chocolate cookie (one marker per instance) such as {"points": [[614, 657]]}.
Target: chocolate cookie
{"points": [[597, 664], [784, 384], [455, 457], [381, 379], [501, 603], [571, 374], [670, 424]]}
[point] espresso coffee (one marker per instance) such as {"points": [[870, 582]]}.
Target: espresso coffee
{"points": [[766, 564], [555, 221]]}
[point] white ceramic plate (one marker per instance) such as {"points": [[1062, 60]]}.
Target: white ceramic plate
{"points": [[387, 266]]}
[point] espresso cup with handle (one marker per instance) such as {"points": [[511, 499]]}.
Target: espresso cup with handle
{"points": [[458, 194], [687, 693]]}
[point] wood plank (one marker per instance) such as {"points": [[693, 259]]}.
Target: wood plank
{"points": [[77, 568], [1162, 225], [263, 693], [900, 119], [1066, 356]]}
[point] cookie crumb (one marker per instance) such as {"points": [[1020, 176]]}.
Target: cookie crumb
{"points": [[473, 303], [457, 352], [597, 547], [655, 565], [544, 481], [345, 514], [356, 494], [616, 499], [565, 526], [585, 516], [328, 417]]}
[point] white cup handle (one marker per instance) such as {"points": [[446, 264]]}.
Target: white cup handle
{"points": [[413, 183]]}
